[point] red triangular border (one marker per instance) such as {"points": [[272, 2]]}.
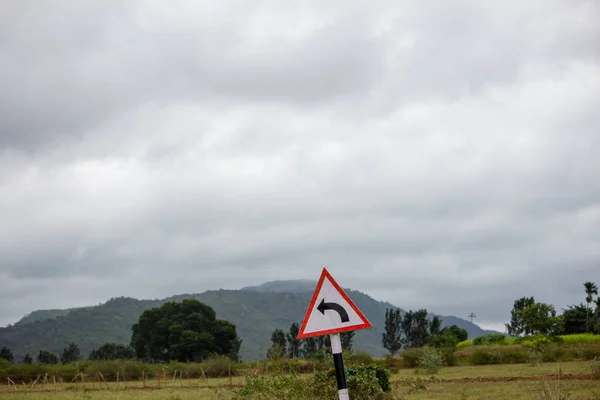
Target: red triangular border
{"points": [[326, 274]]}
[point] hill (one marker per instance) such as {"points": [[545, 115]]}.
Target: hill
{"points": [[255, 311]]}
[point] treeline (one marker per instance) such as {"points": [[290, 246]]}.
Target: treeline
{"points": [[286, 345], [185, 331], [414, 329], [529, 317]]}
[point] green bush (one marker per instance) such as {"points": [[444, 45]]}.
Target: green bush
{"points": [[364, 383], [583, 338], [490, 339], [464, 344], [358, 357], [485, 357], [513, 356], [412, 357], [431, 362]]}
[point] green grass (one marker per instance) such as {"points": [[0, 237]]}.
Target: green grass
{"points": [[581, 338], [450, 383]]}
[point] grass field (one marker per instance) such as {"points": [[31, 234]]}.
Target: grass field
{"points": [[494, 382]]}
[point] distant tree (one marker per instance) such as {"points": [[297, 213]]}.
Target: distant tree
{"points": [[435, 326], [112, 351], [6, 354], [70, 354], [575, 319], [309, 347], [596, 316], [590, 290], [45, 357], [278, 347], [234, 353], [450, 336], [347, 339], [392, 336], [415, 327], [516, 326], [541, 318], [27, 359], [183, 331], [293, 343]]}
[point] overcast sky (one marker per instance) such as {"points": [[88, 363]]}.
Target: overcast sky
{"points": [[434, 154]]}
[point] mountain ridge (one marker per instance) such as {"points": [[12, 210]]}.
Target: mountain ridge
{"points": [[255, 310]]}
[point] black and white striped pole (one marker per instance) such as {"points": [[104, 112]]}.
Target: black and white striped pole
{"points": [[330, 312], [338, 362]]}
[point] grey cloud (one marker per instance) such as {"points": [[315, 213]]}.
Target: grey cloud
{"points": [[412, 150]]}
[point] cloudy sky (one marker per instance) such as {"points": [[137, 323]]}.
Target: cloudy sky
{"points": [[432, 154]]}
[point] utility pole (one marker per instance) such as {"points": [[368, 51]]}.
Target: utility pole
{"points": [[470, 316]]}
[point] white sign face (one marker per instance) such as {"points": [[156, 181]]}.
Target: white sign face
{"points": [[331, 311]]}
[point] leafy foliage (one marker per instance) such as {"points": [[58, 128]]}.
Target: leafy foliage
{"points": [[391, 338], [489, 339], [364, 383], [27, 359], [541, 319], [70, 354], [45, 357], [431, 361], [112, 351], [450, 336], [182, 331], [347, 339], [6, 354], [575, 319], [292, 341], [516, 326], [415, 327]]}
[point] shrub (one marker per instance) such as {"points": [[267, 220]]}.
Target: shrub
{"points": [[464, 344], [449, 356], [431, 362], [490, 339], [364, 383], [537, 340], [514, 356], [412, 357], [359, 357], [484, 357], [535, 358], [583, 338]]}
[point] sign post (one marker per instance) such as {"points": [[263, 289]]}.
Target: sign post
{"points": [[331, 312]]}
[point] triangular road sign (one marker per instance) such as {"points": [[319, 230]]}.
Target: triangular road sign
{"points": [[331, 311]]}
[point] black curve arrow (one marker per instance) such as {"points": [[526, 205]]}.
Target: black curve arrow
{"points": [[335, 307]]}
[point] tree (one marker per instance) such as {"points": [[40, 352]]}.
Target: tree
{"points": [[45, 357], [415, 327], [112, 351], [70, 354], [575, 319], [596, 316], [184, 331], [590, 290], [541, 319], [391, 338], [6, 354], [347, 338], [293, 342], [309, 347], [516, 326], [450, 336], [278, 348], [27, 359], [435, 326]]}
